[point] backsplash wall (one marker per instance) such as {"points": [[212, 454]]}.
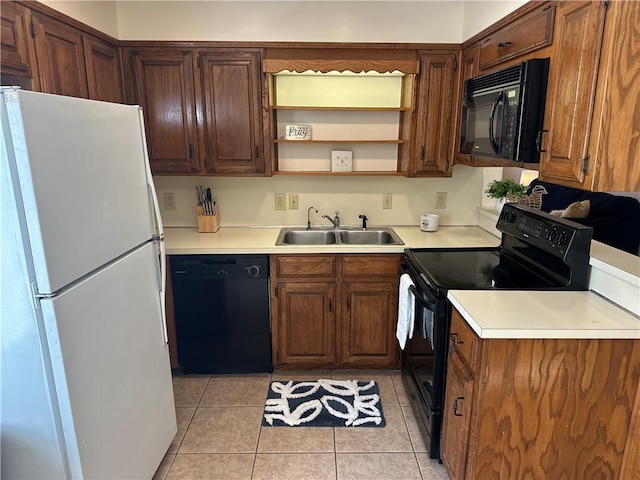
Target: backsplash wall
{"points": [[250, 201]]}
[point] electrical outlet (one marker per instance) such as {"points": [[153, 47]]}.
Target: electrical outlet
{"points": [[169, 201], [441, 200], [387, 200], [280, 200], [293, 201]]}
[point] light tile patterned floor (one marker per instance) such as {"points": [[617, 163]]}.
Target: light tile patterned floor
{"points": [[220, 435]]}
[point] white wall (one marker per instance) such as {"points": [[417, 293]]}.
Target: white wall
{"points": [[304, 21], [479, 14], [249, 201], [101, 15]]}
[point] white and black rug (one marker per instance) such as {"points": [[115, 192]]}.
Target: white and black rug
{"points": [[323, 403]]}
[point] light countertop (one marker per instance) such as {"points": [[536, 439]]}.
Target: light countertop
{"points": [[543, 314], [241, 240]]}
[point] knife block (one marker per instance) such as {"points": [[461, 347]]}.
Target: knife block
{"points": [[208, 223]]}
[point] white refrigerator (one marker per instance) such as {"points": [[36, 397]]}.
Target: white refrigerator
{"points": [[86, 388]]}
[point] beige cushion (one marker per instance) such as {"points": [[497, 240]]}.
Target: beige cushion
{"points": [[575, 210]]}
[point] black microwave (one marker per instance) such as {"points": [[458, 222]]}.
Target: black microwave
{"points": [[503, 112]]}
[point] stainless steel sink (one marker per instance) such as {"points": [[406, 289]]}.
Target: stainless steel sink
{"points": [[370, 237], [306, 237], [341, 236]]}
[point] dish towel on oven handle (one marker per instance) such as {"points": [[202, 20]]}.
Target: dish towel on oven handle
{"points": [[406, 310], [425, 325]]}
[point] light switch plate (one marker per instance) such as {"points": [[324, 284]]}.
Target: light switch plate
{"points": [[341, 161]]}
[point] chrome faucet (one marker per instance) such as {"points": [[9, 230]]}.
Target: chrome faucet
{"points": [[309, 217], [335, 221], [364, 221]]}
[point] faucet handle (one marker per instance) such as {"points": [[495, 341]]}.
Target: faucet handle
{"points": [[364, 221]]}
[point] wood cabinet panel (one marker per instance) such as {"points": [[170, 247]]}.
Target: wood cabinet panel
{"points": [[60, 56], [469, 68], [433, 139], [543, 408], [355, 296], [14, 40], [368, 266], [306, 323], [305, 266], [615, 145], [104, 75], [464, 340], [571, 91], [164, 88], [232, 104], [457, 411], [368, 324], [530, 32]]}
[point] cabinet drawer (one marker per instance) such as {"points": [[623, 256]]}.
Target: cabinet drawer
{"points": [[464, 340], [371, 266], [529, 33], [305, 266]]}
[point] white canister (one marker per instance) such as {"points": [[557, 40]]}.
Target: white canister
{"points": [[429, 222]]}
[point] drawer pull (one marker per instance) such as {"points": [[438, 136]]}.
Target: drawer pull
{"points": [[454, 339], [455, 407], [504, 44]]}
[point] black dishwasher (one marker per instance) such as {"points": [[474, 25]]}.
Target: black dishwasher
{"points": [[222, 313]]}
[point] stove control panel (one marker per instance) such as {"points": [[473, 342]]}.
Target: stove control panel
{"points": [[552, 234]]}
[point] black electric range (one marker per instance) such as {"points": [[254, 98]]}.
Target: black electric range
{"points": [[538, 251]]}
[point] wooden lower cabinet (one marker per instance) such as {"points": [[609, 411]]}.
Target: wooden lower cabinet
{"points": [[334, 310], [539, 408], [306, 323], [369, 316]]}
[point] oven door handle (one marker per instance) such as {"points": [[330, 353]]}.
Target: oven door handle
{"points": [[428, 305]]}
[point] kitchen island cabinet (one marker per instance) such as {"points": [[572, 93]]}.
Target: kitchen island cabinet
{"points": [[334, 310], [539, 407]]}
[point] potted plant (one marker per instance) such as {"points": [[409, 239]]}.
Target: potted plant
{"points": [[505, 190]]}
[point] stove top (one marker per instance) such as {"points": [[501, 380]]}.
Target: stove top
{"points": [[483, 269], [537, 252]]}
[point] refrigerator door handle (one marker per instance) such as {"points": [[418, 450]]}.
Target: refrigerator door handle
{"points": [[158, 238], [163, 290]]}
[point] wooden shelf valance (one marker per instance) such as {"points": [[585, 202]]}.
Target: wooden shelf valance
{"points": [[355, 66]]}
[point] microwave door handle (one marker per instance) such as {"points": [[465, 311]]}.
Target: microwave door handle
{"points": [[494, 107]]}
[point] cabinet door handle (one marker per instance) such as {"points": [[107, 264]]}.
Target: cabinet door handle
{"points": [[455, 407], [348, 304], [539, 140], [257, 152], [422, 154], [191, 150], [504, 44], [453, 341]]}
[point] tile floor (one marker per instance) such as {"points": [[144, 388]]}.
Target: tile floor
{"points": [[220, 435]]}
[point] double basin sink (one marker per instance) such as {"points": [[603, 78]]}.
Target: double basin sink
{"points": [[338, 236]]}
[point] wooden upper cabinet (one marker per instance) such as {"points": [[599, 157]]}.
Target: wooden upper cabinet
{"points": [[614, 149], [571, 92], [432, 147], [163, 84], [524, 35], [232, 111], [14, 37], [60, 56], [104, 77]]}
